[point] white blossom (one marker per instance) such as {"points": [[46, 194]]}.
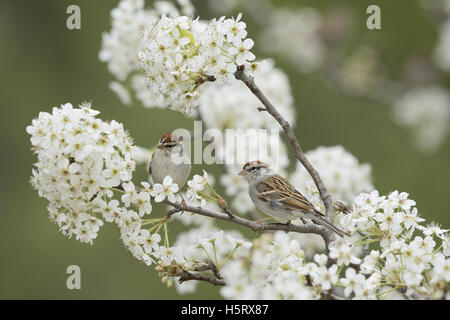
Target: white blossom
{"points": [[166, 189], [178, 54]]}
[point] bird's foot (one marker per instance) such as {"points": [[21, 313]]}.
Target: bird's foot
{"points": [[261, 222], [288, 223], [183, 204]]}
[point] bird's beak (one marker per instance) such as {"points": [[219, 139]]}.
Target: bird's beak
{"points": [[243, 172], [160, 146]]}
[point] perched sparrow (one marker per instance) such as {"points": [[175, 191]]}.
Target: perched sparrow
{"points": [[276, 197], [169, 159]]}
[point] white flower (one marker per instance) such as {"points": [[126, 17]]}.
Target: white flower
{"points": [[411, 219], [434, 229], [143, 203], [369, 264], [129, 221], [342, 252], [238, 242], [242, 51], [110, 210], [198, 182], [166, 189], [169, 255], [441, 270], [353, 282], [130, 195], [325, 277], [151, 241], [389, 220], [196, 185]]}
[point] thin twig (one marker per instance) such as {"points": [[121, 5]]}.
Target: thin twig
{"points": [[173, 211], [210, 266], [324, 194], [186, 276]]}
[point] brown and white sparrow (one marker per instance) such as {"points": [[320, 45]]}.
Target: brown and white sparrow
{"points": [[276, 197], [169, 159]]}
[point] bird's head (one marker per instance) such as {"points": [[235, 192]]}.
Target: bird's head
{"points": [[169, 141], [255, 169]]}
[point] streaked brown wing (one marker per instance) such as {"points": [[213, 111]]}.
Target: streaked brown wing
{"points": [[276, 188]]}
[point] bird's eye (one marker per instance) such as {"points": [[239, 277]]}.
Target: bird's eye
{"points": [[252, 169]]}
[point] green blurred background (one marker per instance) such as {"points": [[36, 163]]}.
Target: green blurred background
{"points": [[43, 64]]}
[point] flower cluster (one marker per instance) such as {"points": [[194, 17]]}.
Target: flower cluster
{"points": [[196, 187], [210, 245], [83, 162], [128, 20], [179, 54], [80, 157], [427, 111], [409, 253], [387, 262], [268, 271], [199, 250], [341, 172], [120, 45]]}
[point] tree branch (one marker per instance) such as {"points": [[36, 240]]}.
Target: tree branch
{"points": [[256, 226], [186, 276], [324, 194]]}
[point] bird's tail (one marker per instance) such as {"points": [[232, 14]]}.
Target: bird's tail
{"points": [[320, 219]]}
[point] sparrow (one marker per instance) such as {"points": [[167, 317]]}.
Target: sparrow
{"points": [[276, 197], [169, 159]]}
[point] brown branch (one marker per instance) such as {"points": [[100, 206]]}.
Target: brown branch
{"points": [[201, 266], [171, 212], [324, 194], [326, 234], [224, 206], [186, 276]]}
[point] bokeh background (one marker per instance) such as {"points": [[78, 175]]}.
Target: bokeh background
{"points": [[43, 64]]}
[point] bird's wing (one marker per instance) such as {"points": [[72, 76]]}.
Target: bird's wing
{"points": [[276, 188]]}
